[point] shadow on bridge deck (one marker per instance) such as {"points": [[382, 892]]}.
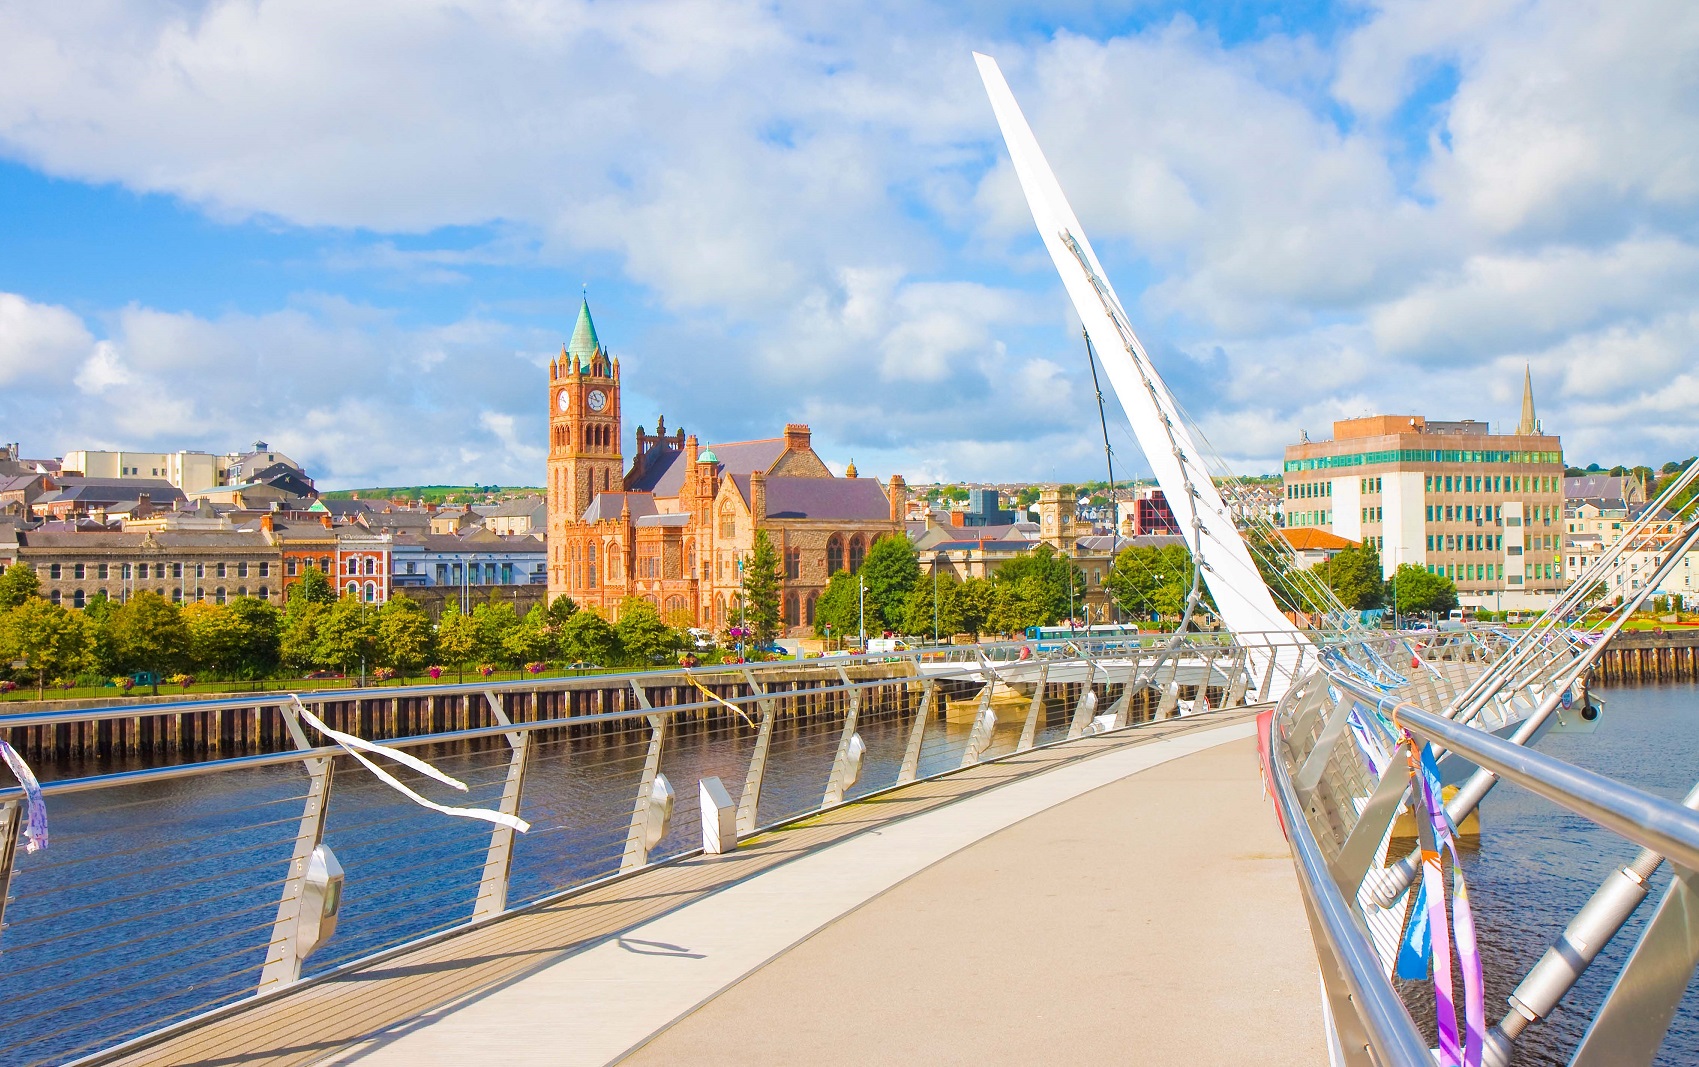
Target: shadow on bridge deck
{"points": [[1126, 896]]}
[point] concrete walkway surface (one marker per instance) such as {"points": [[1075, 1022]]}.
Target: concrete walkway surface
{"points": [[1138, 906]]}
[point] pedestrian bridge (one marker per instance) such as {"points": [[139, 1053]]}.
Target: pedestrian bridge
{"points": [[935, 859]]}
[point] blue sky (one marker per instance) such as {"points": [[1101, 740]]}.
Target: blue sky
{"points": [[358, 231]]}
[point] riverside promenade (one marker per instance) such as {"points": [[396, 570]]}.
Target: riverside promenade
{"points": [[1126, 896]]}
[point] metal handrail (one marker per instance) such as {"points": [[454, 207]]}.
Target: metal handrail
{"points": [[1650, 821], [610, 680], [1391, 1030]]}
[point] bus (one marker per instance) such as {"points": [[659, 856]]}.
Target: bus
{"points": [[1068, 633]]}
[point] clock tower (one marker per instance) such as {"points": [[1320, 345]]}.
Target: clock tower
{"points": [[584, 430]]}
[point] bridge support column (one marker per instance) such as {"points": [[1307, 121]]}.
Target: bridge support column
{"points": [[749, 804], [283, 960], [840, 780], [498, 860], [916, 734], [637, 835], [1029, 730]]}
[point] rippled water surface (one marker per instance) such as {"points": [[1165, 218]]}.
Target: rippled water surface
{"points": [[1538, 864]]}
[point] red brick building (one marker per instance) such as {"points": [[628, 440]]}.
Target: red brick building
{"points": [[673, 527]]}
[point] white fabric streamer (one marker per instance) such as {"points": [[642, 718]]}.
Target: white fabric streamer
{"points": [[354, 745]]}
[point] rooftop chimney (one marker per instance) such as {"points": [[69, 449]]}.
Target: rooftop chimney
{"points": [[797, 437], [758, 495]]}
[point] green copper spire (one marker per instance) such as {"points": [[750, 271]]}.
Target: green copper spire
{"points": [[584, 343]]}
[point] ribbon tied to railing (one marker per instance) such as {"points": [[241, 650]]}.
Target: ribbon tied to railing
{"points": [[355, 746], [1431, 933], [711, 695], [35, 819]]}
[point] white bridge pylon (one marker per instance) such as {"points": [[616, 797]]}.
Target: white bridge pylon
{"points": [[1241, 597]]}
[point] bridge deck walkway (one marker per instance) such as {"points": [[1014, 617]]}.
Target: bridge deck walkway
{"points": [[588, 978]]}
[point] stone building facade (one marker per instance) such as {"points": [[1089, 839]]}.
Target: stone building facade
{"points": [[674, 527], [182, 567]]}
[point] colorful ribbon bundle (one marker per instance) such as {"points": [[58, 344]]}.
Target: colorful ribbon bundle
{"points": [[1429, 938], [355, 745], [35, 823]]}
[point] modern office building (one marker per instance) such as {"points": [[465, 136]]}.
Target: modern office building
{"points": [[1483, 509]]}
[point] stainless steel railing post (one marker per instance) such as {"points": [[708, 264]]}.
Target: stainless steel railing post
{"points": [[749, 804], [916, 736], [1029, 729], [637, 835], [838, 781], [282, 958], [498, 860]]}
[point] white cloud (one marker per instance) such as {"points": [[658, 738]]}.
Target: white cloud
{"points": [[813, 201], [38, 343]]}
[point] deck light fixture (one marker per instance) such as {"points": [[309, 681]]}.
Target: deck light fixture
{"points": [[321, 901]]}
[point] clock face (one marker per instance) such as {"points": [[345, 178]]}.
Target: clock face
{"points": [[598, 400], [564, 400]]}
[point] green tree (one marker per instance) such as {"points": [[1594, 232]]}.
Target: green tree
{"points": [[97, 618], [1057, 575], [405, 640], [1024, 602], [47, 638], [533, 640], [644, 638], [1354, 575], [891, 573], [215, 637], [457, 638], [347, 635], [560, 609], [760, 590], [261, 627], [839, 606], [18, 583], [974, 600], [918, 617], [1145, 580], [589, 638], [148, 634], [494, 622], [1419, 592], [298, 647], [315, 587]]}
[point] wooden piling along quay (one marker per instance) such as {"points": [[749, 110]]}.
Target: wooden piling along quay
{"points": [[801, 695], [222, 732], [1643, 656]]}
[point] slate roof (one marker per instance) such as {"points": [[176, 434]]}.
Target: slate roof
{"points": [[977, 545], [607, 506], [663, 467], [519, 506], [1600, 487], [93, 539], [839, 499], [1101, 542], [664, 519]]}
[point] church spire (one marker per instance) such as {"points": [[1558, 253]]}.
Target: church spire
{"points": [[584, 343], [1529, 424]]}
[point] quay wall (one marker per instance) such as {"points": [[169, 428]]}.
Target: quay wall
{"points": [[1648, 656], [801, 696]]}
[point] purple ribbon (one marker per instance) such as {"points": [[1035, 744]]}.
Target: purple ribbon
{"points": [[35, 824]]}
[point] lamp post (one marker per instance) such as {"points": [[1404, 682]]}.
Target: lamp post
{"points": [[742, 610], [861, 598]]}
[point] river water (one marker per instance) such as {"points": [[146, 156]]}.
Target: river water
{"points": [[156, 902], [1537, 865]]}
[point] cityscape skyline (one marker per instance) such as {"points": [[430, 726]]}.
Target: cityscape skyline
{"points": [[774, 231]]}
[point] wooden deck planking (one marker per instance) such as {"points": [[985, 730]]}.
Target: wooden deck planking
{"points": [[318, 1018]]}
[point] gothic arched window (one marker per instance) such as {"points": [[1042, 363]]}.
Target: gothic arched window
{"points": [[790, 609], [835, 554], [858, 552], [808, 617], [793, 563]]}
